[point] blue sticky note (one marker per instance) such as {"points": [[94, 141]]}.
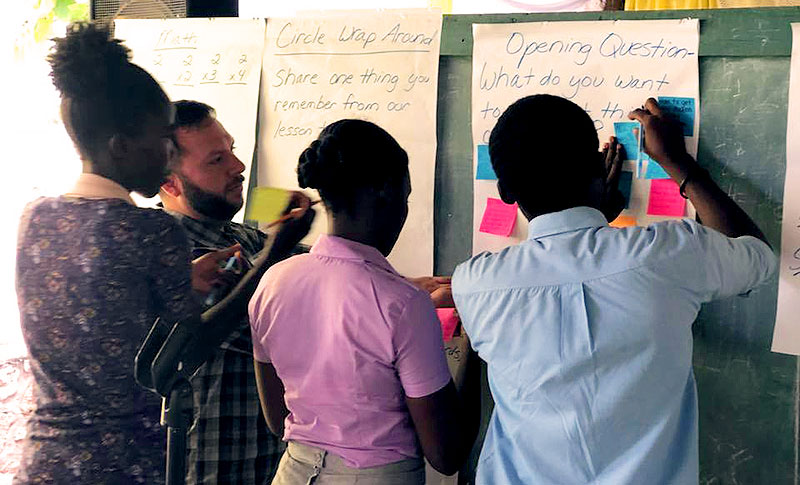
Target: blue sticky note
{"points": [[485, 170], [625, 181], [682, 109], [628, 133], [654, 170]]}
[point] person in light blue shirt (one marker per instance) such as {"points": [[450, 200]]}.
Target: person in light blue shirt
{"points": [[585, 328]]}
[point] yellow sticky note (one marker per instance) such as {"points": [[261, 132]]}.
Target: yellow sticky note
{"points": [[623, 221], [266, 204]]}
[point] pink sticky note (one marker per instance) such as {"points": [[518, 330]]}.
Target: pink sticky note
{"points": [[498, 218], [449, 320], [665, 199]]}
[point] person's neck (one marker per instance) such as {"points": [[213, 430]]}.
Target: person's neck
{"points": [[103, 170], [358, 231], [530, 214], [182, 207]]}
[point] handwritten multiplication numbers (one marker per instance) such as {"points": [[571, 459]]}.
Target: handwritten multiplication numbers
{"points": [[177, 60]]}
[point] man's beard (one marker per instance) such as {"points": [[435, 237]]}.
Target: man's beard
{"points": [[208, 204]]}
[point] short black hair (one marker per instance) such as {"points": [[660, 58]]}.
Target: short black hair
{"points": [[544, 150], [104, 92], [191, 114], [350, 156]]}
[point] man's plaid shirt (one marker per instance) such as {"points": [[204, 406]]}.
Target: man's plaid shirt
{"points": [[229, 442]]}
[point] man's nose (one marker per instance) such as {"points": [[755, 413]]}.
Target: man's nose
{"points": [[237, 166]]}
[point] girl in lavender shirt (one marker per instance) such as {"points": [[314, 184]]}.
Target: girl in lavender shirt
{"points": [[349, 354]]}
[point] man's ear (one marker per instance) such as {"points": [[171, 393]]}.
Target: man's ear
{"points": [[505, 194], [172, 186]]}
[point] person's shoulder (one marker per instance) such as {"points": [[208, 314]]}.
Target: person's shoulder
{"points": [[252, 238], [157, 218], [405, 289], [249, 230], [660, 240], [401, 299], [392, 290], [684, 226], [39, 202], [291, 267], [32, 213], [37, 206], [155, 229], [284, 277], [477, 272], [705, 239]]}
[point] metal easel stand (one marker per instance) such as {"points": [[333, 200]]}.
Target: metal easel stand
{"points": [[177, 416]]}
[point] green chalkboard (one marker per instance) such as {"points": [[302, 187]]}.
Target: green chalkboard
{"points": [[748, 395]]}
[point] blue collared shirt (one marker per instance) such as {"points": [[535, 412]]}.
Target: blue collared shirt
{"points": [[586, 330]]}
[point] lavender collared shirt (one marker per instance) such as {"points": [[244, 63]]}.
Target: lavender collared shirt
{"points": [[350, 339]]}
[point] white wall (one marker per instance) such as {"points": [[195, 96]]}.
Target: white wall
{"points": [[272, 8], [38, 156]]}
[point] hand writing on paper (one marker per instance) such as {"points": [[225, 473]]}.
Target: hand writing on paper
{"points": [[439, 288], [208, 270], [613, 200], [293, 230], [663, 139]]}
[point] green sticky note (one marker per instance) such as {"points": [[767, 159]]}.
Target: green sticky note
{"points": [[266, 204]]}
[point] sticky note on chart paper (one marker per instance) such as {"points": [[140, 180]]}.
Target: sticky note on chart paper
{"points": [[449, 320], [680, 108], [665, 199], [628, 135], [623, 221], [654, 170], [485, 170], [498, 217], [266, 204]]}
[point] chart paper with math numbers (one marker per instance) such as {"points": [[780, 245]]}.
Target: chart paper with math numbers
{"points": [[381, 66], [216, 61], [606, 67], [786, 338]]}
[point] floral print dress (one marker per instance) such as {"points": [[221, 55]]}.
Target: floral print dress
{"points": [[92, 276]]}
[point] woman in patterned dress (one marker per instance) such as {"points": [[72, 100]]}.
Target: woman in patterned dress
{"points": [[94, 272]]}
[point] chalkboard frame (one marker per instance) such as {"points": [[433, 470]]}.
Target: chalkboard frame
{"points": [[725, 32]]}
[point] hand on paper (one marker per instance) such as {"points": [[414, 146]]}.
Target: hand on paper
{"points": [[439, 288], [613, 200], [663, 139], [208, 270], [293, 230]]}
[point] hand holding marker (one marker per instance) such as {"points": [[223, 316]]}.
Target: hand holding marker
{"points": [[290, 214], [213, 294], [230, 264]]}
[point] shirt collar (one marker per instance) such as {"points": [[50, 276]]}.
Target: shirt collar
{"points": [[565, 221], [93, 186], [339, 247]]}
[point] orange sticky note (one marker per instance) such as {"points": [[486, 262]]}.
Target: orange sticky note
{"points": [[498, 218], [665, 199], [623, 221], [449, 321]]}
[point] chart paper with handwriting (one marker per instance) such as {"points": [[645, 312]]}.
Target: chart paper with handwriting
{"points": [[380, 66], [606, 67], [786, 338]]}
